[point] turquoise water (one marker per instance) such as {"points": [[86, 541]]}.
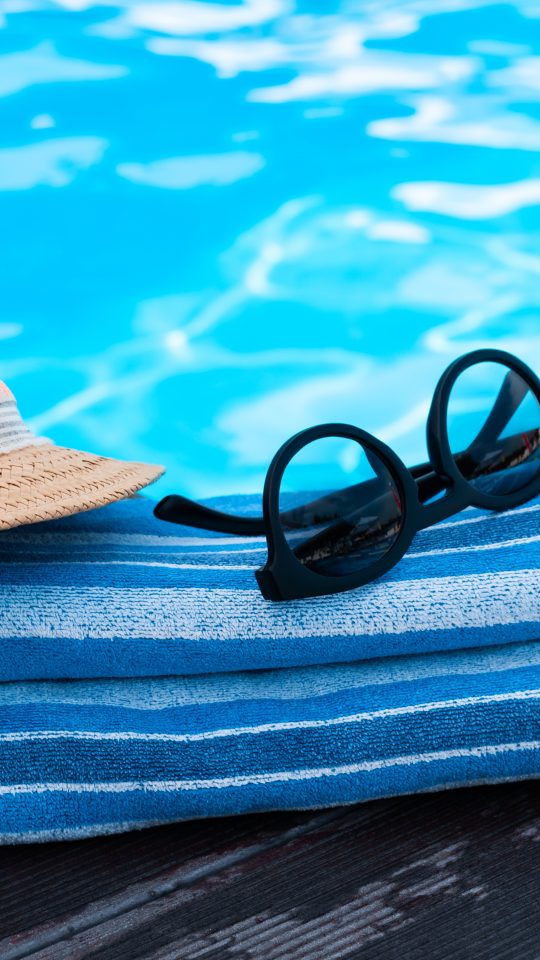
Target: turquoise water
{"points": [[224, 222]]}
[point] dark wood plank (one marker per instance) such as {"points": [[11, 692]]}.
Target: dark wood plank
{"points": [[454, 876], [47, 883]]}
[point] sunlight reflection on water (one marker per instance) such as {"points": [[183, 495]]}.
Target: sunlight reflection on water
{"points": [[224, 222]]}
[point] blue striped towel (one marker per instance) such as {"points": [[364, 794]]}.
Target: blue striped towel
{"points": [[115, 592], [80, 758], [444, 690]]}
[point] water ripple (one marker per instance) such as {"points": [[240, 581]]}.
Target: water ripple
{"points": [[271, 214]]}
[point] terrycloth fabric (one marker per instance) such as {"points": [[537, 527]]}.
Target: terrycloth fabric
{"points": [[79, 758], [115, 592]]}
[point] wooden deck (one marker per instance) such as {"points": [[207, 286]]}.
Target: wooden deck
{"points": [[452, 876]]}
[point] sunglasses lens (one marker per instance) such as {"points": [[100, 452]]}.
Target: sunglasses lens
{"points": [[494, 429], [340, 508]]}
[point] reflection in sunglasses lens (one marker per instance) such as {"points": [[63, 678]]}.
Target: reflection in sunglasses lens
{"points": [[340, 508], [494, 429]]}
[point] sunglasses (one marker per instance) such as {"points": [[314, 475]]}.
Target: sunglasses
{"points": [[326, 534]]}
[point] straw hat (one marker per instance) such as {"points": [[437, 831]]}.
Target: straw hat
{"points": [[40, 481]]}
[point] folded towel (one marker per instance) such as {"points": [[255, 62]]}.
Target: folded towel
{"points": [[80, 758], [115, 592]]}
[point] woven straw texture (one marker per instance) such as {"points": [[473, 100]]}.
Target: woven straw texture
{"points": [[47, 482]]}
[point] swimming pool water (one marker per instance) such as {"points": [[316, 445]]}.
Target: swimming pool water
{"points": [[224, 222]]}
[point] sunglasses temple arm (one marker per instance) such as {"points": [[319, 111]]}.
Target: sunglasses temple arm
{"points": [[189, 513], [428, 482], [512, 393], [176, 509]]}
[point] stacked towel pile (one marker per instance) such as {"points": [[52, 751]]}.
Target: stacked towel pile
{"points": [[145, 680]]}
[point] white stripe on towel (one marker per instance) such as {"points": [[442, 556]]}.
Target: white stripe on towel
{"points": [[180, 565], [470, 549], [289, 683], [156, 540], [196, 613], [282, 776], [130, 539], [77, 833], [488, 516], [120, 826], [165, 564], [382, 714]]}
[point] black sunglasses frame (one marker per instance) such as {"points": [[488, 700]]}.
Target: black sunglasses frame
{"points": [[284, 577]]}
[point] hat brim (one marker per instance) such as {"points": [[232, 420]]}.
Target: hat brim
{"points": [[44, 482]]}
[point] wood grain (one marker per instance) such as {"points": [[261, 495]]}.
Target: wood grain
{"points": [[454, 876]]}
